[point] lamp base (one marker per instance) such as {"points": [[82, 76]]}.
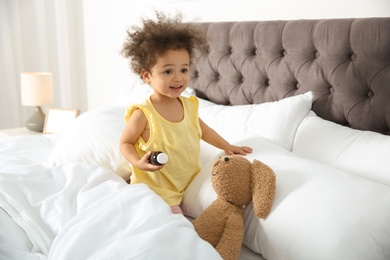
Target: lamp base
{"points": [[36, 121]]}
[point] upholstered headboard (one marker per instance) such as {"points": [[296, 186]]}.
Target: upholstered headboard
{"points": [[345, 62]]}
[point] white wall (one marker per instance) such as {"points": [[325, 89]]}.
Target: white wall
{"points": [[106, 21]]}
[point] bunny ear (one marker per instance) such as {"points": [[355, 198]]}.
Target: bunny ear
{"points": [[263, 188]]}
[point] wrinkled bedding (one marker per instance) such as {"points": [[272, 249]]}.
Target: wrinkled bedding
{"points": [[83, 211]]}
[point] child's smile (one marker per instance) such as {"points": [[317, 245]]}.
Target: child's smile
{"points": [[176, 88]]}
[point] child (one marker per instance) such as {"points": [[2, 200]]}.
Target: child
{"points": [[161, 54]]}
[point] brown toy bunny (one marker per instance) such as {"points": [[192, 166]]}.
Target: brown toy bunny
{"points": [[236, 181]]}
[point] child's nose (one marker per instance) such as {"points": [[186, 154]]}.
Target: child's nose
{"points": [[177, 77]]}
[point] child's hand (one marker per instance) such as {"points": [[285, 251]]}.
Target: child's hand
{"points": [[145, 165], [243, 150]]}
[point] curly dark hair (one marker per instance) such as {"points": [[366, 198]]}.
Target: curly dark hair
{"points": [[144, 45]]}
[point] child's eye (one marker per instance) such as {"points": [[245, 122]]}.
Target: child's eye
{"points": [[168, 72], [184, 70]]}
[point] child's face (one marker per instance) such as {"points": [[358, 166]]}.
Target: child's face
{"points": [[170, 76]]}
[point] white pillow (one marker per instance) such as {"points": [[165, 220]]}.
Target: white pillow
{"points": [[200, 193], [319, 212], [93, 138], [276, 121], [364, 153]]}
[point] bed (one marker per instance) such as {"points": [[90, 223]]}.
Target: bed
{"points": [[311, 97]]}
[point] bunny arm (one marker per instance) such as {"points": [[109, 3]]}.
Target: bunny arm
{"points": [[229, 247]]}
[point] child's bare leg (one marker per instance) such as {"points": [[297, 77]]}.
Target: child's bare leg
{"points": [[176, 209]]}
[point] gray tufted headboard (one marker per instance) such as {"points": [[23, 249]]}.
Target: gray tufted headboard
{"points": [[345, 62]]}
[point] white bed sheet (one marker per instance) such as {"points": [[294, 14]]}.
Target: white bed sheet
{"points": [[82, 211]]}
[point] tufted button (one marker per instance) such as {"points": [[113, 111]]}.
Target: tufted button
{"points": [[298, 85], [230, 50], [317, 54], [331, 90], [370, 94], [353, 56], [284, 53]]}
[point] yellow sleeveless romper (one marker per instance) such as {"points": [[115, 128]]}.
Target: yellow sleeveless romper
{"points": [[181, 141]]}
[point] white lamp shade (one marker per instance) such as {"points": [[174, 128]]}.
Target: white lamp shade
{"points": [[36, 88]]}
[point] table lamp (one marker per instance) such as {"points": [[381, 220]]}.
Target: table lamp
{"points": [[36, 90]]}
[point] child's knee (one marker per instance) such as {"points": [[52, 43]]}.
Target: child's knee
{"points": [[176, 209]]}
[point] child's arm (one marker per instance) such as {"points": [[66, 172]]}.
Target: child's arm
{"points": [[210, 136], [134, 128]]}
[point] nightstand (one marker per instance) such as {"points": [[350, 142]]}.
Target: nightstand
{"points": [[10, 132]]}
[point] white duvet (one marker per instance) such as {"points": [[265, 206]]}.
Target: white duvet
{"points": [[82, 211]]}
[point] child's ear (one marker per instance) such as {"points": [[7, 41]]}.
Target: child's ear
{"points": [[145, 76]]}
